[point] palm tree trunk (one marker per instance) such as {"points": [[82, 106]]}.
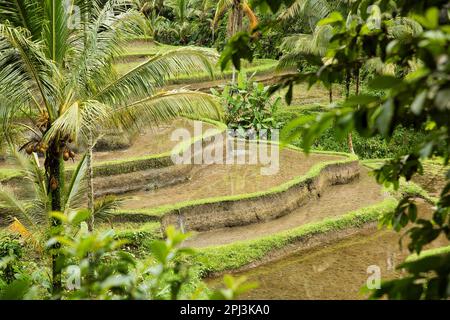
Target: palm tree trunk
{"points": [[54, 166], [90, 173], [357, 80], [236, 18], [331, 93], [347, 95], [233, 76], [90, 182], [235, 25]]}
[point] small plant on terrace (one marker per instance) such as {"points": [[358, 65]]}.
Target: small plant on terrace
{"points": [[249, 108]]}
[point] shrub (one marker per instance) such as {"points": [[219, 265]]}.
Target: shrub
{"points": [[10, 253], [249, 106], [375, 147]]}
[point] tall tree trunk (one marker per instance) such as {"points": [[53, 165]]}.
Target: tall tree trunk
{"points": [[236, 18], [90, 182], [54, 166], [90, 173], [357, 80], [347, 95], [235, 25], [331, 93]]}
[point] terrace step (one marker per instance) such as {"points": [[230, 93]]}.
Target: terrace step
{"points": [[333, 201]]}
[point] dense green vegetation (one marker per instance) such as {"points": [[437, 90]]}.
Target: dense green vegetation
{"points": [[366, 80], [412, 38]]}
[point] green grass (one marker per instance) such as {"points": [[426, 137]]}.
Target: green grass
{"points": [[286, 113], [147, 49], [137, 53]]}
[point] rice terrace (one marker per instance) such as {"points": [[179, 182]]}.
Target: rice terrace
{"points": [[224, 150]]}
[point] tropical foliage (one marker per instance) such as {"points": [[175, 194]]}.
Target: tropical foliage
{"points": [[369, 77], [415, 95], [60, 76], [249, 109]]}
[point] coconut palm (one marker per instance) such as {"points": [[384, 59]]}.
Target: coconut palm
{"points": [[58, 66], [32, 212], [236, 10], [29, 216], [183, 10], [312, 11], [297, 47]]}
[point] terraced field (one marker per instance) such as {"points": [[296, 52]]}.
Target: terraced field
{"points": [[335, 201], [239, 217]]}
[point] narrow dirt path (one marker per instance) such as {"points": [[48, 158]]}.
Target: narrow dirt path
{"points": [[335, 201]]}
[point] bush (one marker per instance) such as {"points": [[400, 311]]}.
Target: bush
{"points": [[10, 253], [402, 142], [249, 107]]}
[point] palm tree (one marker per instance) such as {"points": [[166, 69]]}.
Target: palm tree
{"points": [[316, 43], [64, 76], [29, 216], [184, 11], [312, 11], [32, 212], [236, 10], [296, 47]]}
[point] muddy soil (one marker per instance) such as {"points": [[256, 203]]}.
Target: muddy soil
{"points": [[334, 201], [336, 271], [152, 141], [208, 181]]}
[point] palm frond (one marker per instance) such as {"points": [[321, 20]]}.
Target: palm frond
{"points": [[143, 80], [105, 207], [67, 124], [311, 11], [165, 106], [27, 14], [300, 47], [78, 120], [22, 61], [31, 170], [221, 8], [31, 236], [77, 188], [297, 42], [95, 48], [11, 207], [56, 29], [250, 15]]}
